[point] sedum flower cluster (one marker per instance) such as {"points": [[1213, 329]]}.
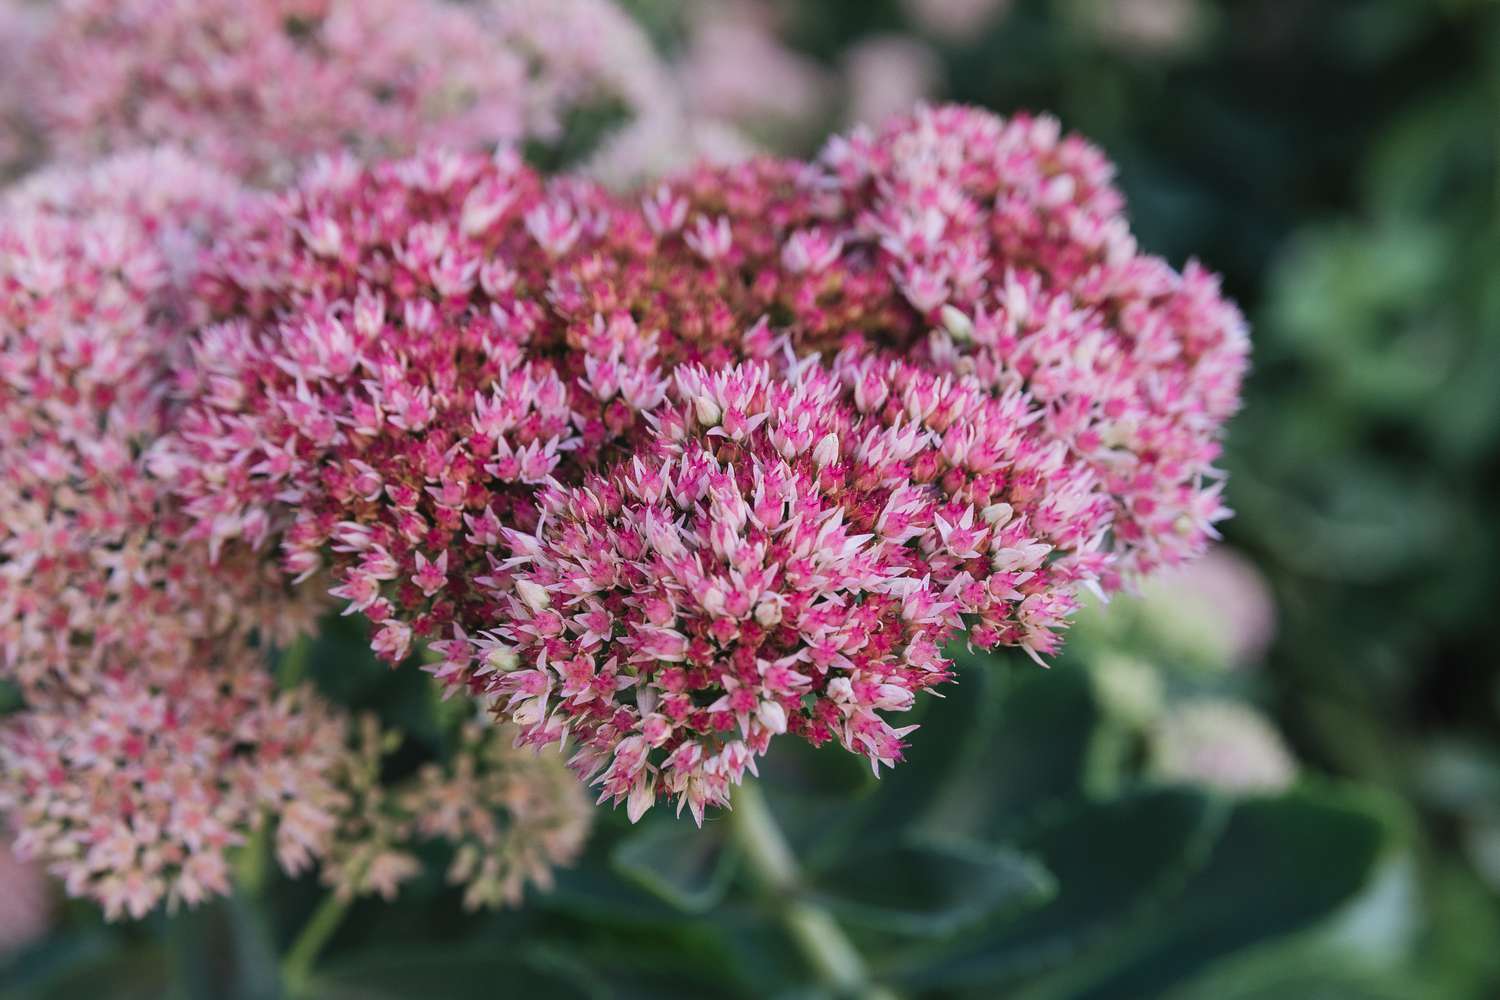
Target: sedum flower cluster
{"points": [[154, 740], [666, 475], [257, 87]]}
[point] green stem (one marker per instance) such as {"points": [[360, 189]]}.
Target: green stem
{"points": [[294, 660], [817, 935], [250, 869], [297, 966]]}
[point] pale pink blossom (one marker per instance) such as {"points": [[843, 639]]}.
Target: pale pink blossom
{"points": [[19, 27], [261, 86], [1220, 605], [1148, 27], [510, 815], [94, 575], [735, 68], [1222, 744], [956, 20], [133, 792], [885, 75]]}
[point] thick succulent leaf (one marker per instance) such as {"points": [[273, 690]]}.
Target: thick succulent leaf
{"points": [[1112, 862], [1007, 739], [687, 867], [1033, 737], [474, 972], [1282, 865], [931, 888]]}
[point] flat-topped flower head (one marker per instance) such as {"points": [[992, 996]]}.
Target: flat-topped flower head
{"points": [[617, 459], [410, 350]]}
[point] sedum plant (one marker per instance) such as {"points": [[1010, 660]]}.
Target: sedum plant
{"points": [[362, 479]]}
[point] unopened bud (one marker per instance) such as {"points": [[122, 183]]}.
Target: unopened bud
{"points": [[827, 451], [708, 411], [534, 594], [768, 612], [957, 323], [997, 514], [501, 658]]}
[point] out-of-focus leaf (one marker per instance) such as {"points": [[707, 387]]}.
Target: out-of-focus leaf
{"points": [[138, 972], [419, 973], [1277, 975], [931, 888], [221, 950], [688, 867], [1112, 862], [1028, 746], [1282, 865]]}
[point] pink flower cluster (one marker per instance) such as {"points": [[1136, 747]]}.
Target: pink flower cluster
{"points": [[1009, 239], [676, 473], [133, 793], [154, 738], [90, 320], [259, 86], [790, 558]]}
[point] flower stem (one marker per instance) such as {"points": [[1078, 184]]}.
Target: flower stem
{"points": [[817, 935], [297, 966]]}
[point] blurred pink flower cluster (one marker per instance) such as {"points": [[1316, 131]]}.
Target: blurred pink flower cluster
{"points": [[259, 87], [675, 473], [155, 738]]}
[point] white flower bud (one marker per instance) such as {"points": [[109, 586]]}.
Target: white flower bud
{"points": [[502, 659], [533, 594], [957, 323], [642, 797], [708, 411], [997, 514], [827, 451], [772, 716]]}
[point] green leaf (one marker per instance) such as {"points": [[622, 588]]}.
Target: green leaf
{"points": [[1111, 861], [425, 971], [931, 888], [686, 867], [1031, 746], [1309, 974], [1282, 865], [99, 969]]}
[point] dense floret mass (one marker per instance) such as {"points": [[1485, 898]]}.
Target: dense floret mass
{"points": [[545, 428], [258, 87], [154, 739], [133, 793], [92, 571], [790, 558]]}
